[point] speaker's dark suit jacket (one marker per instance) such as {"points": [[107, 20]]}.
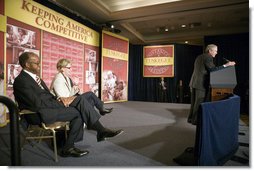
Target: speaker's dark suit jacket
{"points": [[200, 76], [199, 83]]}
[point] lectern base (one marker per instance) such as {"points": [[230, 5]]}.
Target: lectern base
{"points": [[220, 93]]}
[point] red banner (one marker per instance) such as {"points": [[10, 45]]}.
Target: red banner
{"points": [[20, 38], [115, 53], [91, 69], [56, 47], [19, 32], [2, 112], [158, 61]]}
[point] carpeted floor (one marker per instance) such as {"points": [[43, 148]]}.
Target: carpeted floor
{"points": [[154, 134]]}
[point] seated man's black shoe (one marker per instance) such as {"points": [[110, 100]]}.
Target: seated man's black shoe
{"points": [[108, 134], [85, 152], [106, 111], [74, 152]]}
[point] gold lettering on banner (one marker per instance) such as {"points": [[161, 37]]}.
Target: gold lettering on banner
{"points": [[57, 23], [114, 54], [41, 13], [75, 27], [158, 61]]}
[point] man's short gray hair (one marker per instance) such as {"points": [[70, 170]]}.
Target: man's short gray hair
{"points": [[210, 47]]}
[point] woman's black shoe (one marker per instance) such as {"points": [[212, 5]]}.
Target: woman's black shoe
{"points": [[106, 111], [108, 134]]}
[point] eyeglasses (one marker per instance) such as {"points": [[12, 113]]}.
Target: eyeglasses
{"points": [[68, 67], [36, 63]]}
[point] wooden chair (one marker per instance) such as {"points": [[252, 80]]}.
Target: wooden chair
{"points": [[39, 130]]}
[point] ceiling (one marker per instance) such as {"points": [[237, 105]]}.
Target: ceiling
{"points": [[145, 21]]}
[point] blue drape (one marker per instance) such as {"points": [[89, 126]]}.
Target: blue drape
{"points": [[218, 131]]}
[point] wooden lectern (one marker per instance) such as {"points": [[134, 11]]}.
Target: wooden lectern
{"points": [[222, 82]]}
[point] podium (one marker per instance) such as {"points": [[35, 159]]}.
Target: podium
{"points": [[222, 82]]}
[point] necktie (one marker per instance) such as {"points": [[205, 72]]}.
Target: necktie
{"points": [[38, 80]]}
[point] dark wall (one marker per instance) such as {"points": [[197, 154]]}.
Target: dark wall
{"points": [[235, 48], [148, 89]]}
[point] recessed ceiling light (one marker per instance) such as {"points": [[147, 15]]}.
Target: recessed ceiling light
{"points": [[183, 25], [186, 42]]}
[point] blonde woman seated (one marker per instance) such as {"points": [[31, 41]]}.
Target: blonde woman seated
{"points": [[63, 87]]}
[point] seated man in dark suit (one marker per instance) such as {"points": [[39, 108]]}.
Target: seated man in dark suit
{"points": [[32, 93]]}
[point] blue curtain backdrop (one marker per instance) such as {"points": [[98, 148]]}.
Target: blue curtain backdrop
{"points": [[236, 48], [147, 89]]}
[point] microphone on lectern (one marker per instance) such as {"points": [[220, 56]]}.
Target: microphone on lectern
{"points": [[226, 60]]}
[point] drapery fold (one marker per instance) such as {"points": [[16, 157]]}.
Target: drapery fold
{"points": [[217, 133]]}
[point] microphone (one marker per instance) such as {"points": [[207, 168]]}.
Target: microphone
{"points": [[226, 60]]}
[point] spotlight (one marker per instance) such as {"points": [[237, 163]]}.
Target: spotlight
{"points": [[111, 28]]}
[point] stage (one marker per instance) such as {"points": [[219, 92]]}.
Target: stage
{"points": [[154, 134]]}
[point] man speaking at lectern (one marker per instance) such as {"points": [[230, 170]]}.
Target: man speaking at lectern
{"points": [[199, 83]]}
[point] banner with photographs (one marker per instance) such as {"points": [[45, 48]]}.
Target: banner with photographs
{"points": [[43, 18], [2, 40], [114, 79], [91, 72], [158, 61], [2, 108], [84, 59], [23, 31], [54, 48], [19, 38]]}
